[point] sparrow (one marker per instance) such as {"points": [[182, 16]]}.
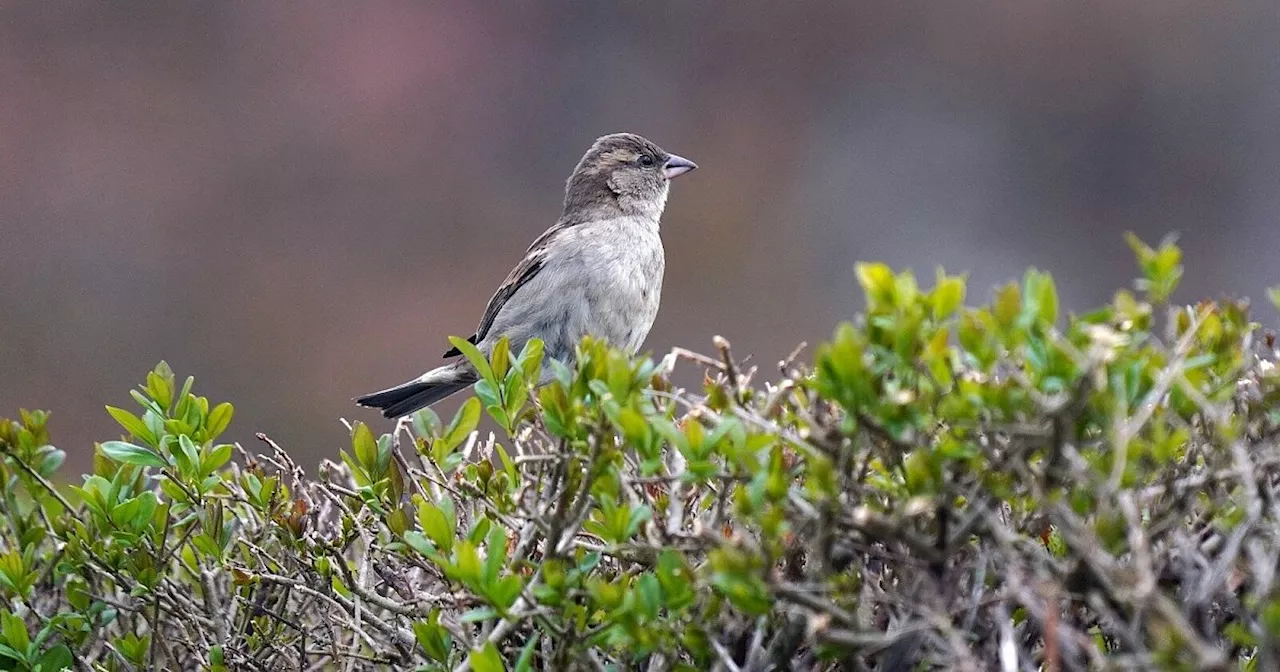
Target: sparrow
{"points": [[597, 271]]}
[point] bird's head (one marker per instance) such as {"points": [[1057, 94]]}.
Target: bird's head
{"points": [[625, 170]]}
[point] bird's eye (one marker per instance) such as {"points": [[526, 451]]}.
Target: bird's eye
{"points": [[645, 160]]}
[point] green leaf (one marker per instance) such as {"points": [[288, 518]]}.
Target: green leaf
{"points": [[77, 592], [129, 453], [905, 289], [1161, 268], [425, 423], [634, 426], [489, 395], [500, 358], [464, 422], [525, 662], [190, 455], [877, 282], [1008, 302], [473, 355], [50, 461], [146, 507], [433, 638], [500, 416], [478, 614], [146, 403], [639, 516], [11, 653], [1240, 635], [216, 458], [515, 393], [467, 562], [1039, 299], [495, 553], [561, 371], [486, 659], [743, 588], [450, 512], [505, 591], [436, 525], [420, 543], [531, 360], [365, 448], [133, 424], [398, 522], [919, 471], [184, 398], [1271, 616], [508, 465], [947, 295], [383, 462], [14, 631], [160, 385], [218, 420], [1048, 299], [650, 594]]}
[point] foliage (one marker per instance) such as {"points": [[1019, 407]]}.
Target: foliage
{"points": [[945, 487]]}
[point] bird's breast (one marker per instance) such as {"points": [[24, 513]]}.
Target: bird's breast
{"points": [[625, 289]]}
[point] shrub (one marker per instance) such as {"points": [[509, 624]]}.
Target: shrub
{"points": [[944, 487]]}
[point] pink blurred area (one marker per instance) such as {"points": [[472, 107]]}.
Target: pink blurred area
{"points": [[297, 203]]}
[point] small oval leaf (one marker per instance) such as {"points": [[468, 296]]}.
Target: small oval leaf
{"points": [[128, 453]]}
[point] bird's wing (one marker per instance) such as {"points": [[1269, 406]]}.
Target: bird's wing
{"points": [[534, 259]]}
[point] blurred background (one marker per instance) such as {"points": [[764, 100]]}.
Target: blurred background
{"points": [[297, 203]]}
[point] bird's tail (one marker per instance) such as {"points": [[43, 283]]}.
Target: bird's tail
{"points": [[419, 393]]}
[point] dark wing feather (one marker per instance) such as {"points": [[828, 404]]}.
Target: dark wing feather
{"points": [[533, 261]]}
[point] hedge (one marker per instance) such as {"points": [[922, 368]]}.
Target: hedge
{"points": [[939, 486]]}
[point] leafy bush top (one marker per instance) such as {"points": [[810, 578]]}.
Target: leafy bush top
{"points": [[945, 487]]}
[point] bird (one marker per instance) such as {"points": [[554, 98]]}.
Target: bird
{"points": [[597, 271]]}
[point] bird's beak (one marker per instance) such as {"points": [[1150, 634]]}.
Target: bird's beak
{"points": [[677, 165]]}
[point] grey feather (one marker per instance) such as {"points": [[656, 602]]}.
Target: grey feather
{"points": [[431, 387]]}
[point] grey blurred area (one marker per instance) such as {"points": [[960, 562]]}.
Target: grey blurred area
{"points": [[298, 202]]}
